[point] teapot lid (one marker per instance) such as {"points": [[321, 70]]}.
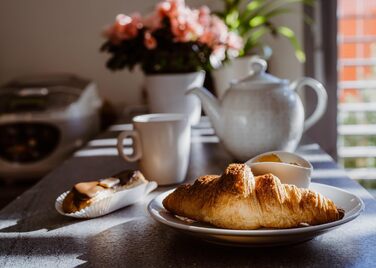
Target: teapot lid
{"points": [[258, 74]]}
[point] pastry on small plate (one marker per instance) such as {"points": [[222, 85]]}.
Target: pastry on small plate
{"points": [[97, 198]]}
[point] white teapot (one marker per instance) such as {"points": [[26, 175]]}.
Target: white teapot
{"points": [[261, 112]]}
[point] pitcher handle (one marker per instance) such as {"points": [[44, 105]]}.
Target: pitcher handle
{"points": [[322, 99]]}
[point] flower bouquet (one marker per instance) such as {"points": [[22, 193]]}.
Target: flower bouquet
{"points": [[172, 39], [173, 45]]}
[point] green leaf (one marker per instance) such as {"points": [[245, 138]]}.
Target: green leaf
{"points": [[277, 12], [277, 4], [254, 21], [254, 39], [290, 35], [254, 9], [232, 20], [265, 6], [285, 31], [232, 4], [254, 5], [257, 21]]}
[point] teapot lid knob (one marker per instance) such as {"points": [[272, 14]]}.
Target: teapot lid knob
{"points": [[258, 74], [258, 66]]}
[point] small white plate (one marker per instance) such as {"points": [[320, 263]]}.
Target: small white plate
{"points": [[352, 205], [108, 203]]}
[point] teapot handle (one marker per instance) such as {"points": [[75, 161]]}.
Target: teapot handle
{"points": [[322, 99]]}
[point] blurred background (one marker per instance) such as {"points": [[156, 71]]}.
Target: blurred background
{"points": [[49, 37], [46, 36]]}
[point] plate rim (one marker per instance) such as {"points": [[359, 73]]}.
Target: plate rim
{"points": [[268, 232]]}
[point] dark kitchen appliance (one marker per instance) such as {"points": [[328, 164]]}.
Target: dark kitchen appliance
{"points": [[43, 120]]}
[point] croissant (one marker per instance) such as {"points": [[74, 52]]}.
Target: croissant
{"points": [[238, 200]]}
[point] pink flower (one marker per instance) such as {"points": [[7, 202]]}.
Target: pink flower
{"points": [[207, 38], [217, 36], [204, 16], [184, 21], [163, 8], [184, 31], [186, 25], [149, 40], [169, 8], [234, 41], [215, 33], [218, 55], [125, 27]]}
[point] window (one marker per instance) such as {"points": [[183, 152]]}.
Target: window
{"points": [[357, 87]]}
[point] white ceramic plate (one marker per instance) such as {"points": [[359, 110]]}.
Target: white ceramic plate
{"points": [[352, 205]]}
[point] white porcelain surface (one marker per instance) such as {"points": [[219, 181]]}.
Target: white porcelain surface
{"points": [[109, 203], [166, 94], [299, 175], [161, 144], [235, 69], [352, 205], [261, 113]]}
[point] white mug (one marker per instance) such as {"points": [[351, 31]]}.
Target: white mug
{"points": [[161, 144]]}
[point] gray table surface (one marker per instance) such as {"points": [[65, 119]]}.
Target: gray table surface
{"points": [[33, 234]]}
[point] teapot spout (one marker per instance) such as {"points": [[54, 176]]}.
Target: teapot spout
{"points": [[210, 105]]}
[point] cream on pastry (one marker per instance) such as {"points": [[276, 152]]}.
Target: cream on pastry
{"points": [[83, 194]]}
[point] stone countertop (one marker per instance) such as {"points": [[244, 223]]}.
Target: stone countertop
{"points": [[33, 234]]}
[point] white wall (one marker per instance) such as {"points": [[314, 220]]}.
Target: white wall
{"points": [[283, 61], [39, 36]]}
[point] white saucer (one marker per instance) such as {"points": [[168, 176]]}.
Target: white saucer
{"points": [[352, 205]]}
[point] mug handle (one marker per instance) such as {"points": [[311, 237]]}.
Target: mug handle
{"points": [[322, 99], [137, 152]]}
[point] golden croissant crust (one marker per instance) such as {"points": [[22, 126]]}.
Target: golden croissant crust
{"points": [[237, 200]]}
